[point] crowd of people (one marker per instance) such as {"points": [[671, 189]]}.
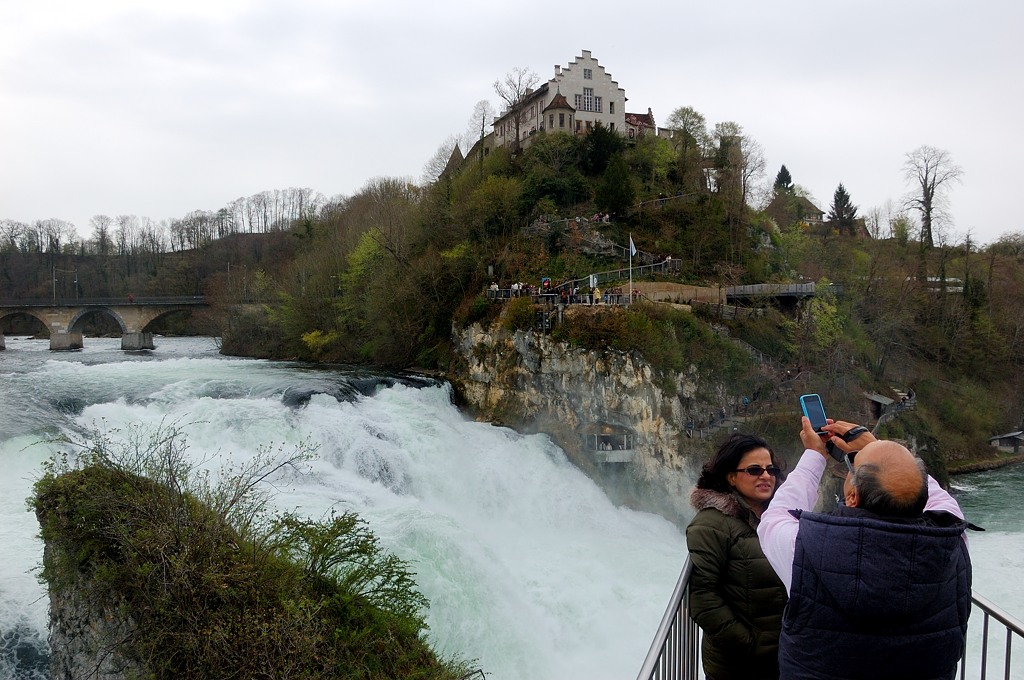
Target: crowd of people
{"points": [[569, 295], [880, 587]]}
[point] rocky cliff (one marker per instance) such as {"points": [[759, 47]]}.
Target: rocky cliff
{"points": [[528, 381], [88, 630]]}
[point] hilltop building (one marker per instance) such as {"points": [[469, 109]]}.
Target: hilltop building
{"points": [[787, 209], [577, 98]]}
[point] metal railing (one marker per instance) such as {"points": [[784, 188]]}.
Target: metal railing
{"points": [[675, 651], [105, 301], [1011, 626]]}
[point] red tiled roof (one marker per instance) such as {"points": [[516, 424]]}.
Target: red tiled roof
{"points": [[559, 102]]}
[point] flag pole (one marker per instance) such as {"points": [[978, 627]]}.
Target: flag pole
{"points": [[630, 268]]}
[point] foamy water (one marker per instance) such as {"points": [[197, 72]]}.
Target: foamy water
{"points": [[528, 567]]}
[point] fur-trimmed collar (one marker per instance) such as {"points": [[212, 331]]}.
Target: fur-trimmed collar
{"points": [[726, 503]]}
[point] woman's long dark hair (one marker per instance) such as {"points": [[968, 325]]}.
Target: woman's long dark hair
{"points": [[727, 458]]}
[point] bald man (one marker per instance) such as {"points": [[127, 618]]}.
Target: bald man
{"points": [[879, 588]]}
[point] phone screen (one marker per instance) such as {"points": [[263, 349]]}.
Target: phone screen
{"points": [[815, 412]]}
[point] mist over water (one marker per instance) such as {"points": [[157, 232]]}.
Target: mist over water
{"points": [[528, 567]]}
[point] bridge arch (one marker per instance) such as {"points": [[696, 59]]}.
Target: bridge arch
{"points": [[6, 314], [65, 322], [78, 320]]}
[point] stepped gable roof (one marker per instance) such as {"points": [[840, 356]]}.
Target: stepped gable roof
{"points": [[558, 102]]}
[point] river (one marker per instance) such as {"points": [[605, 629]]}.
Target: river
{"points": [[528, 567]]}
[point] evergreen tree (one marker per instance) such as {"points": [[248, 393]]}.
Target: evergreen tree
{"points": [[616, 192], [598, 147], [843, 211], [783, 181]]}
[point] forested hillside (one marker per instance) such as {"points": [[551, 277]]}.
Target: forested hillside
{"points": [[379, 277]]}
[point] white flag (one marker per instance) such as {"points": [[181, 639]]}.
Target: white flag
{"points": [[593, 280], [632, 248]]}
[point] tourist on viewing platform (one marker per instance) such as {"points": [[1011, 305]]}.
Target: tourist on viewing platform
{"points": [[735, 596], [881, 587]]}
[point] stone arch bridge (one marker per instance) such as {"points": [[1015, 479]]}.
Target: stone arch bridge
{"points": [[65, 319]]}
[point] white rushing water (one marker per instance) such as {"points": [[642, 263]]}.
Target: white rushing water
{"points": [[528, 567]]}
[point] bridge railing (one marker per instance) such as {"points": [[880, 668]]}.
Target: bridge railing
{"points": [[106, 301], [675, 651]]}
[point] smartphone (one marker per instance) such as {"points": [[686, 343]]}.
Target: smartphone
{"points": [[815, 412]]}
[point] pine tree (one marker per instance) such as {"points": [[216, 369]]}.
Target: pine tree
{"points": [[843, 211], [783, 181]]}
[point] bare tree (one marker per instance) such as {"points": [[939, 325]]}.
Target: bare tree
{"points": [[56, 233], [101, 233], [513, 90], [932, 173], [439, 161], [387, 207], [483, 115], [11, 234]]}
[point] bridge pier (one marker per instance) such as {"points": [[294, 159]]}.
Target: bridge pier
{"points": [[60, 342], [3, 342], [132, 341]]}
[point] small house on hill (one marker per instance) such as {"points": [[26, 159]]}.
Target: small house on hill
{"points": [[639, 124], [1012, 442], [787, 209]]}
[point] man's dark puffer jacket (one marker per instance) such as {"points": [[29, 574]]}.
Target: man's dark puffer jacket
{"points": [[876, 599]]}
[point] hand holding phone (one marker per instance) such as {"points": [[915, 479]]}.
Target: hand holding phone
{"points": [[815, 412]]}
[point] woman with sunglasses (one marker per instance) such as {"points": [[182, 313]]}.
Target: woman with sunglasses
{"points": [[735, 596]]}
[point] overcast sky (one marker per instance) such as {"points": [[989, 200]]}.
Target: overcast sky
{"points": [[158, 109]]}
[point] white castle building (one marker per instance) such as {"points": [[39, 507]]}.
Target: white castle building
{"points": [[577, 98]]}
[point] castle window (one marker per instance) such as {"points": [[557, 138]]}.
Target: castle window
{"points": [[588, 74], [561, 120], [597, 104], [588, 99], [611, 108], [551, 120]]}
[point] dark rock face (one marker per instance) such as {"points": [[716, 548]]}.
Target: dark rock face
{"points": [[89, 633]]}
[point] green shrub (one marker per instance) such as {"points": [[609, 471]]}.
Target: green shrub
{"points": [[669, 339], [216, 587], [519, 314]]}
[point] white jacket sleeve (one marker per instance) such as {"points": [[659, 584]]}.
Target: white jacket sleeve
{"points": [[777, 530]]}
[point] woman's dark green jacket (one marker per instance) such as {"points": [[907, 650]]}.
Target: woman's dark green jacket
{"points": [[735, 596]]}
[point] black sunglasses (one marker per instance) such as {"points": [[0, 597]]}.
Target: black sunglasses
{"points": [[848, 459], [757, 470]]}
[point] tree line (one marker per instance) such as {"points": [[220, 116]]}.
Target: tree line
{"points": [[380, 276]]}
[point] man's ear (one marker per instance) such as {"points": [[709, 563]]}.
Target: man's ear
{"points": [[852, 497]]}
